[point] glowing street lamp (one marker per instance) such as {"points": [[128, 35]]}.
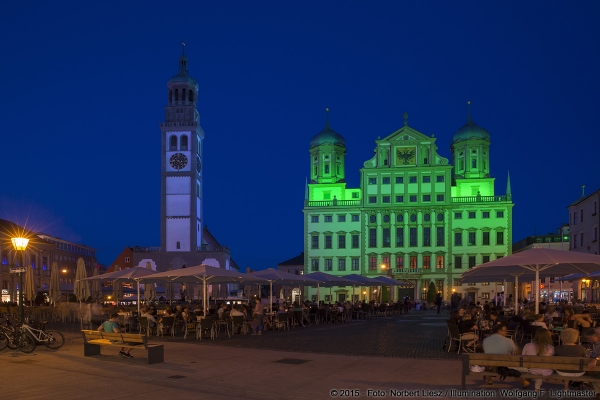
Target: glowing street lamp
{"points": [[20, 245]]}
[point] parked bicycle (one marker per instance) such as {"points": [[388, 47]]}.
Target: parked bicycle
{"points": [[51, 339], [14, 337]]}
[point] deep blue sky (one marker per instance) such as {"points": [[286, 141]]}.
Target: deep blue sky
{"points": [[83, 90]]}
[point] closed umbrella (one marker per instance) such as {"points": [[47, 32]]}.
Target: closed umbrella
{"points": [[54, 292], [540, 262], [29, 288], [81, 288], [149, 288], [169, 290], [96, 289]]}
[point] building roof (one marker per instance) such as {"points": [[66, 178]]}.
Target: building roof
{"points": [[298, 260], [584, 197], [470, 131], [327, 136], [212, 241]]}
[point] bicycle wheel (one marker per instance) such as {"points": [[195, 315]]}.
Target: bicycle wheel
{"points": [[3, 341], [54, 340], [26, 343]]}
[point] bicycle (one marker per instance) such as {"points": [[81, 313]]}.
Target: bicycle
{"points": [[51, 339], [14, 337]]}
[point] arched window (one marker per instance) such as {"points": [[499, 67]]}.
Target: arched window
{"points": [[191, 96], [327, 168], [178, 245], [173, 143], [183, 95], [184, 142], [176, 95], [474, 163], [170, 97]]}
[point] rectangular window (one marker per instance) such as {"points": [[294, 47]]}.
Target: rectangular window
{"points": [[355, 264], [412, 179], [372, 263], [4, 257], [439, 178], [574, 241], [426, 236], [426, 197], [458, 215], [399, 237], [499, 237], [399, 179], [385, 199], [440, 236], [499, 214], [472, 261], [485, 214], [314, 218], [485, 296], [372, 237], [426, 262], [426, 179], [458, 262], [472, 239], [355, 218], [386, 181], [385, 261], [314, 242], [372, 199], [342, 264], [372, 181], [328, 244], [439, 262], [386, 237], [328, 264], [485, 284], [471, 214], [485, 259], [413, 237], [341, 241], [341, 218], [355, 241], [457, 282], [575, 218], [440, 197], [328, 218], [486, 238], [314, 264], [399, 199], [581, 219], [400, 262], [413, 262], [127, 259], [458, 238], [355, 195], [412, 199], [44, 263]]}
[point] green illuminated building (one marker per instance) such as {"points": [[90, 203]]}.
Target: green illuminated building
{"points": [[414, 217]]}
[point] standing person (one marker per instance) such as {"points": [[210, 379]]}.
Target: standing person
{"points": [[259, 309], [498, 343], [438, 302], [112, 326]]}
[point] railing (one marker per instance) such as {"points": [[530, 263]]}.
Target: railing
{"points": [[408, 270], [329, 203], [137, 249], [481, 199], [203, 248], [178, 123]]}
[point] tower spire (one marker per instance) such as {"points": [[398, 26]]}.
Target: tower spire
{"points": [[508, 189], [327, 116], [182, 47], [183, 60], [469, 111]]}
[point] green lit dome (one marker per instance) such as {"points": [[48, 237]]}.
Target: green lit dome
{"points": [[327, 136], [469, 131]]}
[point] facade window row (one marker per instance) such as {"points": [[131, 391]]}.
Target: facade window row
{"points": [[426, 198], [386, 180], [341, 242], [472, 238], [328, 264], [330, 218], [473, 214]]}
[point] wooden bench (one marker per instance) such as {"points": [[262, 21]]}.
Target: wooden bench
{"points": [[541, 362], [93, 340]]}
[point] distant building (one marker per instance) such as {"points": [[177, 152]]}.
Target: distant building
{"points": [[295, 266], [43, 252], [414, 217], [584, 221], [184, 239]]}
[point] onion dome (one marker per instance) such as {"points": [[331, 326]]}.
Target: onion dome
{"points": [[469, 131], [327, 136]]}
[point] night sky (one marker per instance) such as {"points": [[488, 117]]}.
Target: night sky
{"points": [[84, 86]]}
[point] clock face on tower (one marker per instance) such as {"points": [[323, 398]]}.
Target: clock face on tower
{"points": [[178, 161]]}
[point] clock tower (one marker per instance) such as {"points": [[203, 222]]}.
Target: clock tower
{"points": [[181, 165]]}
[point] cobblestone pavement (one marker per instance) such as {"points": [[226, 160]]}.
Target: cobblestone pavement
{"points": [[420, 334]]}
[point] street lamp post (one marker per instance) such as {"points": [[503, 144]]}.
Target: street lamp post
{"points": [[20, 244]]}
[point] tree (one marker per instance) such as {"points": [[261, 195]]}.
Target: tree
{"points": [[431, 292]]}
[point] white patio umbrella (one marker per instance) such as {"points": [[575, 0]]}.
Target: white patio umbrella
{"points": [[329, 280], [149, 288], [386, 281], [54, 293], [541, 262], [29, 285], [135, 274], [205, 274], [81, 288], [276, 276]]}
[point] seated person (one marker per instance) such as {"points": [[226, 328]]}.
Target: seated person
{"points": [[583, 320], [539, 321], [111, 326], [468, 330], [461, 313], [569, 348], [185, 312], [498, 343], [493, 319], [542, 345], [551, 313], [151, 320], [221, 310]]}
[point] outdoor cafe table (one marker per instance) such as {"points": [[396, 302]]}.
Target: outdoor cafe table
{"points": [[556, 331]]}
